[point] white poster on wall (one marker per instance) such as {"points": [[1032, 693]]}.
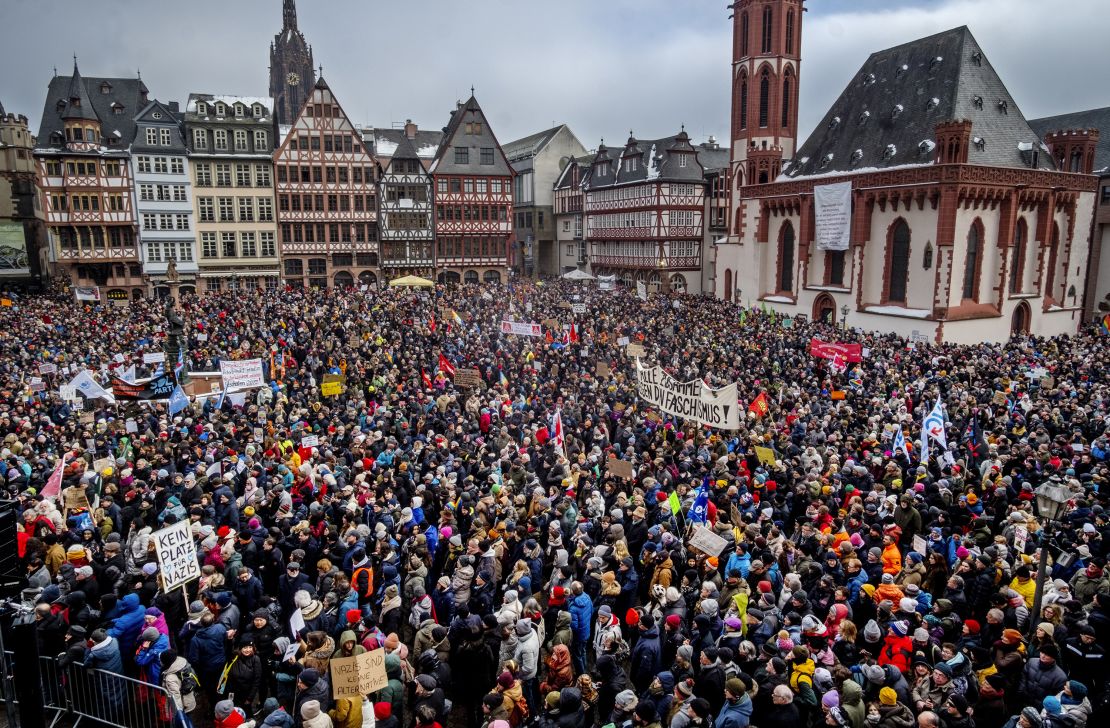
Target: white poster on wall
{"points": [[832, 206]]}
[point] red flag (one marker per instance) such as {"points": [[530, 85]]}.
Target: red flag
{"points": [[53, 487], [557, 430], [426, 378], [852, 353], [446, 366], [432, 323], [759, 405], [573, 333]]}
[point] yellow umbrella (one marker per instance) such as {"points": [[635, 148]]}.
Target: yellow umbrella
{"points": [[411, 282]]}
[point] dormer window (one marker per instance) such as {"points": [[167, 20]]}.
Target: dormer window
{"points": [[980, 143], [157, 115], [202, 108], [60, 106], [834, 122], [258, 110], [897, 111], [221, 110], [682, 160], [105, 88], [977, 102], [864, 117], [856, 157], [890, 151], [238, 111], [1004, 106], [826, 160]]}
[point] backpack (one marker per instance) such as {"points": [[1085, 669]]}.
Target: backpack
{"points": [[519, 714], [189, 681]]}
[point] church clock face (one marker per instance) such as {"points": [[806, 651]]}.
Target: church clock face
{"points": [[292, 79]]}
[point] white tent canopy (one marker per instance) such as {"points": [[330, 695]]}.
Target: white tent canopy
{"points": [[578, 275]]}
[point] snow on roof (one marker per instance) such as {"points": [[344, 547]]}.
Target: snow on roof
{"points": [[899, 311], [384, 147], [230, 100], [849, 173], [427, 151], [652, 167]]}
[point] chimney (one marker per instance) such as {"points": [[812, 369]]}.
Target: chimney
{"points": [[410, 129], [174, 107]]}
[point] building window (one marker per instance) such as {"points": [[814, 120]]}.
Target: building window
{"points": [[790, 32], [228, 240], [151, 137], [487, 155], [150, 221], [227, 210], [240, 140], [786, 258], [206, 209], [260, 142], [743, 102], [164, 137], [744, 34], [265, 209], [261, 175], [200, 139], [1017, 263], [242, 175], [204, 175], [223, 175], [899, 253], [294, 267], [971, 262], [462, 155], [317, 266], [786, 102], [220, 136], [246, 209], [836, 267], [185, 251], [154, 252], [144, 164], [202, 108], [268, 247], [181, 221], [146, 192], [764, 98], [768, 28], [247, 244]]}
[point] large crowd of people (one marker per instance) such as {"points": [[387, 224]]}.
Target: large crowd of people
{"points": [[507, 571]]}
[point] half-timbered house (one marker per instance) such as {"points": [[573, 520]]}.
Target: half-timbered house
{"points": [[327, 199], [406, 223]]}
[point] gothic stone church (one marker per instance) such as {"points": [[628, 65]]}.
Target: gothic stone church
{"points": [[965, 225], [292, 75]]}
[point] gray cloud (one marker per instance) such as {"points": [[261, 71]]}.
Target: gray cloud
{"points": [[603, 66]]}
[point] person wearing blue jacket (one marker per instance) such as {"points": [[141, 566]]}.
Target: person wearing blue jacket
{"points": [[581, 619], [206, 654], [103, 653], [127, 623], [739, 560], [737, 710], [152, 644]]}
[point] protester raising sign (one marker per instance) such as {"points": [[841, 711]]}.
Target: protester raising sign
{"points": [[177, 555], [242, 374], [521, 328], [358, 676], [830, 350], [158, 388], [693, 400]]}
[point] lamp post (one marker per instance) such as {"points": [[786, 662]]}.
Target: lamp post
{"points": [[844, 316], [1051, 501]]}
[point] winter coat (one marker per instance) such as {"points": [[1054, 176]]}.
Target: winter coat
{"points": [[896, 716], [1039, 680], [319, 693], [206, 649], [148, 660], [313, 716], [527, 654], [347, 713], [244, 679], [581, 617], [171, 681], [646, 659], [127, 624], [735, 714], [105, 656]]}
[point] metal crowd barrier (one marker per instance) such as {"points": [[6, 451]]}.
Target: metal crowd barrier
{"points": [[51, 682]]}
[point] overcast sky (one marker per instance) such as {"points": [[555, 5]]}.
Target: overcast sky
{"points": [[602, 66]]}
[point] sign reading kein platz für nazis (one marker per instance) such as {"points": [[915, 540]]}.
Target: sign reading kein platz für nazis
{"points": [[177, 555]]}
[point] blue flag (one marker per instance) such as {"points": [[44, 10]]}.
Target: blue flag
{"points": [[900, 443], [699, 511], [178, 400], [220, 404]]}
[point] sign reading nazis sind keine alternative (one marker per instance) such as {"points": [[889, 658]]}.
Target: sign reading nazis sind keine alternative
{"points": [[177, 555], [358, 676], [691, 400]]}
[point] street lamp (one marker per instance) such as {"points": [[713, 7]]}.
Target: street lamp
{"points": [[844, 315], [1052, 500]]}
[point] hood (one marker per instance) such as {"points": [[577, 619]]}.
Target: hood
{"points": [[393, 667], [310, 709], [570, 701], [851, 693], [129, 603], [347, 636], [563, 620], [666, 679]]}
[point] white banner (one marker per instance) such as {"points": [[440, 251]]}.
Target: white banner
{"points": [[87, 293], [521, 328], [242, 374], [89, 387], [641, 290], [177, 555], [155, 357], [832, 205], [578, 308], [691, 400], [607, 283]]}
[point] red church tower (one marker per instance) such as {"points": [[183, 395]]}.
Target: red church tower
{"points": [[766, 59]]}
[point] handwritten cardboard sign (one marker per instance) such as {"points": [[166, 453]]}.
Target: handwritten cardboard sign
{"points": [[619, 468], [358, 676]]}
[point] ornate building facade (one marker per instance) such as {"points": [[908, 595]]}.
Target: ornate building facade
{"points": [[24, 253], [327, 198], [406, 224], [958, 225], [292, 73], [230, 141], [163, 198], [474, 200], [85, 181]]}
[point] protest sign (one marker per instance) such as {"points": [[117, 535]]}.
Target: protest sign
{"points": [[177, 555], [765, 454], [852, 353], [331, 389], [341, 378], [635, 350], [919, 545], [467, 378], [358, 676], [296, 623], [619, 468], [707, 542], [693, 400], [242, 374], [622, 341], [310, 441], [578, 308], [1021, 535], [602, 369], [551, 323], [833, 215], [521, 328], [45, 369], [154, 357], [158, 388]]}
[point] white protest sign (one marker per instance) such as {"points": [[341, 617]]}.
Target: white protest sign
{"points": [[310, 441], [202, 337], [177, 555], [296, 622], [832, 207], [67, 392], [1021, 535], [242, 374], [693, 400], [578, 308], [521, 328], [45, 369], [622, 341], [707, 542], [154, 357], [919, 545]]}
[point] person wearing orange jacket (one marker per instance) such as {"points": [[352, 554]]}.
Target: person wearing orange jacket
{"points": [[892, 557]]}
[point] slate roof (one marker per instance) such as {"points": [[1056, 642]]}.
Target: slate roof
{"points": [[1090, 119], [893, 104], [385, 142], [584, 163], [657, 160], [128, 93], [444, 162], [530, 145]]}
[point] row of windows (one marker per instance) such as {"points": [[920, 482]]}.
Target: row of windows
{"points": [[160, 165], [162, 193], [324, 174], [471, 247], [241, 245], [767, 29], [485, 155], [642, 219], [159, 137], [93, 236], [468, 213], [295, 232], [250, 283], [524, 219], [87, 203], [54, 168], [249, 208], [469, 186], [325, 142], [167, 250], [217, 139], [334, 203], [175, 221], [246, 175], [405, 221], [238, 109], [396, 193]]}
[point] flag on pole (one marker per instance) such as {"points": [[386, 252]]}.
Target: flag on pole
{"points": [[456, 317], [53, 487], [181, 363], [432, 323], [503, 379], [900, 442], [759, 406], [425, 378], [699, 511], [445, 365], [557, 432], [674, 503], [178, 400], [933, 427], [573, 334], [223, 396]]}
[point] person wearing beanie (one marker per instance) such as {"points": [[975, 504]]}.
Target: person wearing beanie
{"points": [[737, 710], [176, 669], [1041, 675], [897, 647], [151, 645], [1029, 717], [383, 715], [312, 685], [243, 674], [647, 655]]}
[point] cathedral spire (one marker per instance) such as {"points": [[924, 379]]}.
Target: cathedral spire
{"points": [[289, 15]]}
